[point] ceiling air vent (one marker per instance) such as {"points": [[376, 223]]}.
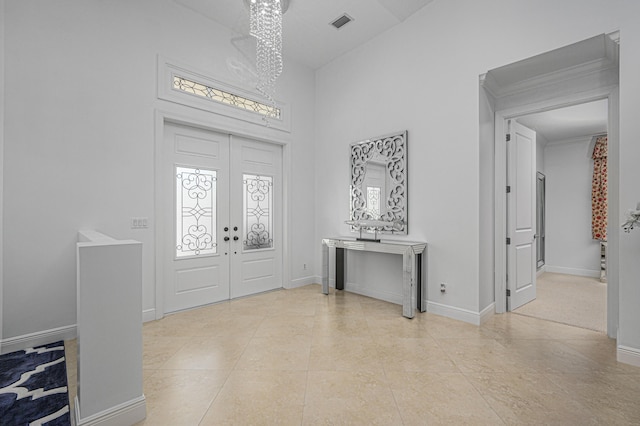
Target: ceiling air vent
{"points": [[342, 21]]}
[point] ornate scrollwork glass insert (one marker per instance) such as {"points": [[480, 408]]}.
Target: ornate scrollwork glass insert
{"points": [[258, 205], [379, 182], [217, 95], [195, 212]]}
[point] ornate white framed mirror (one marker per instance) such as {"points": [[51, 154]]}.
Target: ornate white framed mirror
{"points": [[379, 185]]}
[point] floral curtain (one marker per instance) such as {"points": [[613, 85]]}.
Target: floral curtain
{"points": [[599, 190]]}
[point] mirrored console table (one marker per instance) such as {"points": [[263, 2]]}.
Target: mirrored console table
{"points": [[414, 293]]}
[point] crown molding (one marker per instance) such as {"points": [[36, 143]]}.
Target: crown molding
{"points": [[601, 58]]}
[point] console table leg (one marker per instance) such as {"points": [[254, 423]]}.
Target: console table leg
{"points": [[325, 269], [422, 291], [339, 268], [408, 291]]}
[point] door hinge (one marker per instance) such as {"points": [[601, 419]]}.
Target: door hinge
{"points": [[508, 293], [508, 189], [508, 241], [508, 137]]}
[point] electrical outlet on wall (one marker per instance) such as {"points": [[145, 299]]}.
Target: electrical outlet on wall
{"points": [[443, 288]]}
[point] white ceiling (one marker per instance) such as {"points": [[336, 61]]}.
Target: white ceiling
{"points": [[569, 123], [308, 36], [309, 39]]}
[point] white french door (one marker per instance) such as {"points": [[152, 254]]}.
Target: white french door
{"points": [[256, 194], [224, 217]]}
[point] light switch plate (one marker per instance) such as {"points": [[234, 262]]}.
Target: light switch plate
{"points": [[139, 222]]}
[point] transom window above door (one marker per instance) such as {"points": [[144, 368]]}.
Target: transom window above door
{"points": [[219, 95], [182, 85]]}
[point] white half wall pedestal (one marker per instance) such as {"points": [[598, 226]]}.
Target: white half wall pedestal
{"points": [[109, 331], [414, 286]]}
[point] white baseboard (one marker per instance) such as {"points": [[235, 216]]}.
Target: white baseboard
{"points": [[31, 340], [148, 315], [628, 355], [541, 270], [475, 318], [573, 271], [301, 282], [487, 313], [366, 291], [127, 413]]}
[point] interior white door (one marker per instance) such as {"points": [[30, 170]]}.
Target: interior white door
{"points": [[256, 216], [196, 261], [521, 217]]}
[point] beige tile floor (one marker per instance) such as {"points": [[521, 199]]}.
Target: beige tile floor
{"points": [[298, 357], [569, 299]]}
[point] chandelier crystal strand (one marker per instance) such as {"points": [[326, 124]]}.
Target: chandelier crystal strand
{"points": [[265, 24]]}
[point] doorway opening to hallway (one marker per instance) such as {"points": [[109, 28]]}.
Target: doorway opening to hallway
{"points": [[521, 89]]}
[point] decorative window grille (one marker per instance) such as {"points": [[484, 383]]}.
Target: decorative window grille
{"points": [[373, 201], [217, 95], [195, 212], [257, 207]]}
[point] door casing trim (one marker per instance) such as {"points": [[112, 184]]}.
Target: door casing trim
{"points": [[500, 260], [570, 86]]}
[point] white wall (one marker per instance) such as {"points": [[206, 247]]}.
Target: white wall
{"points": [[79, 141], [569, 170], [1, 163], [429, 86], [486, 190], [629, 267], [79, 101], [541, 142]]}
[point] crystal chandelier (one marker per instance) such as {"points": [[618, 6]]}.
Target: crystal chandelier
{"points": [[265, 24]]}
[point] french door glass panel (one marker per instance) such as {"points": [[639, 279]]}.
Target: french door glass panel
{"points": [[257, 208], [195, 212]]}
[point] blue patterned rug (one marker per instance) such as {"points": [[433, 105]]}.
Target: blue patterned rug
{"points": [[33, 387]]}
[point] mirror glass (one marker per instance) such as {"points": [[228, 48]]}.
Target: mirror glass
{"points": [[540, 219], [379, 182]]}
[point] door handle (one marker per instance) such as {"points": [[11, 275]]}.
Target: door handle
{"points": [[226, 238]]}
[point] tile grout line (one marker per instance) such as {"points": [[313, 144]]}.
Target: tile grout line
{"points": [[483, 397], [233, 368]]}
